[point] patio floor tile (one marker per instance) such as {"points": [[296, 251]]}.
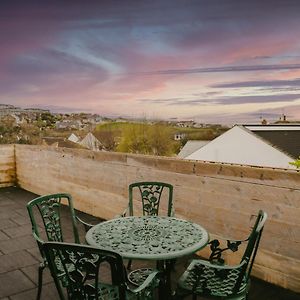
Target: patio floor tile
{"points": [[16, 260], [14, 282]]}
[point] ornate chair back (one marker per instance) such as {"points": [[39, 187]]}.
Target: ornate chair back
{"points": [[77, 269], [249, 255], [48, 207], [217, 280], [253, 242], [151, 194]]}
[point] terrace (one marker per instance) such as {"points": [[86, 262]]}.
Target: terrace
{"points": [[219, 197]]}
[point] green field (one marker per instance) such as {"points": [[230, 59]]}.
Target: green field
{"points": [[153, 139], [191, 133]]}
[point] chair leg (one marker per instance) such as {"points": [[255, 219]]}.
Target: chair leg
{"points": [[129, 264], [40, 280], [179, 295]]}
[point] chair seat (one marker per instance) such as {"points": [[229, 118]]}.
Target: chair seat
{"points": [[138, 276], [203, 278], [109, 292]]}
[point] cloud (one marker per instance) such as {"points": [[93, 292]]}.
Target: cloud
{"points": [[249, 68], [259, 83], [63, 54], [60, 109], [224, 100]]}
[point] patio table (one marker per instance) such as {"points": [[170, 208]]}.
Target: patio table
{"points": [[149, 238]]}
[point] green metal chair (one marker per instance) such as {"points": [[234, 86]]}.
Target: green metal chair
{"points": [[214, 279], [150, 193], [78, 270], [48, 207]]}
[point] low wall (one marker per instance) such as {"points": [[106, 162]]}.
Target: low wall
{"points": [[7, 165], [218, 196]]}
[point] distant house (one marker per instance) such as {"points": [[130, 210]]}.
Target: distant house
{"points": [[257, 145], [91, 142], [190, 147], [60, 142], [73, 138], [68, 124], [179, 136], [186, 124]]}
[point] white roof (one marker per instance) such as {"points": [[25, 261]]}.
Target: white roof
{"points": [[190, 147], [272, 127], [240, 146], [73, 138]]}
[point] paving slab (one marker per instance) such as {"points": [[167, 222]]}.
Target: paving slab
{"points": [[14, 282], [32, 273], [48, 292], [21, 220], [18, 231], [16, 260], [7, 223], [8, 214], [17, 244], [3, 236], [35, 252]]}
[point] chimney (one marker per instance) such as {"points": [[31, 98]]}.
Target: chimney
{"points": [[264, 122]]}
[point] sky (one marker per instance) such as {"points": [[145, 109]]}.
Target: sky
{"points": [[213, 61]]}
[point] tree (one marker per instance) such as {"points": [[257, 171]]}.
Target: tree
{"points": [[147, 139], [160, 139], [107, 138], [296, 163], [9, 130], [135, 140]]}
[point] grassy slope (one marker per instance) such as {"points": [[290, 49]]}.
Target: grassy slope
{"points": [[122, 126]]}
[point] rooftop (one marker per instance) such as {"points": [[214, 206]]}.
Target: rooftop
{"points": [[191, 146], [19, 255], [220, 197], [284, 137]]}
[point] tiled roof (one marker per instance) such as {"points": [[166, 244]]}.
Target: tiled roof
{"points": [[283, 137]]}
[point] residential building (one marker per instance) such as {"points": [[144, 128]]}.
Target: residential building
{"points": [[190, 147], [179, 136], [73, 138], [91, 142], [257, 145]]}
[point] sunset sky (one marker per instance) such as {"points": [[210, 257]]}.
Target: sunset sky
{"points": [[212, 61]]}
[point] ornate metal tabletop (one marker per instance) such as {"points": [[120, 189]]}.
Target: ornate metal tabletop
{"points": [[149, 237]]}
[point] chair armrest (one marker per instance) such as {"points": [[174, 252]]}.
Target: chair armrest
{"points": [[212, 279], [123, 214], [216, 250], [86, 225], [151, 281], [201, 262]]}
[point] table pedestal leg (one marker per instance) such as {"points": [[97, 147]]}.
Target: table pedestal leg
{"points": [[165, 291]]}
